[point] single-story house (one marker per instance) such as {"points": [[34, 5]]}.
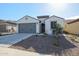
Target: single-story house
{"points": [[7, 26], [41, 24], [72, 26]]}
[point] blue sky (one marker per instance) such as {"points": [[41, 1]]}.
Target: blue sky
{"points": [[16, 11]]}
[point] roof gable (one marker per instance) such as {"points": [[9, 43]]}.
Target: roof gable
{"points": [[27, 19], [55, 18]]}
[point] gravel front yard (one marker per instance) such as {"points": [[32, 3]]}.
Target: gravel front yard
{"points": [[44, 45], [40, 44]]}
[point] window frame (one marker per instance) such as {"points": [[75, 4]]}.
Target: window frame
{"points": [[53, 23]]}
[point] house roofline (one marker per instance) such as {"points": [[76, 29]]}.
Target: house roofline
{"points": [[73, 21], [55, 16], [38, 19], [7, 21], [27, 16]]}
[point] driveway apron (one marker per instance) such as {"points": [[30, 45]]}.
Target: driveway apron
{"points": [[8, 40]]}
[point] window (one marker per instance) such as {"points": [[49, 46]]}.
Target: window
{"points": [[53, 24]]}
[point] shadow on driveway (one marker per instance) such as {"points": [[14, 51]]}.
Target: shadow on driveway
{"points": [[44, 45]]}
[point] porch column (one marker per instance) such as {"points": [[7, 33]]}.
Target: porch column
{"points": [[17, 29], [37, 28]]}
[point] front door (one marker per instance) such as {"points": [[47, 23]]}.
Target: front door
{"points": [[42, 28]]}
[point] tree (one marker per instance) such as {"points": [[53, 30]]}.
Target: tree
{"points": [[56, 31]]}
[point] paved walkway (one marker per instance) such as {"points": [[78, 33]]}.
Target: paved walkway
{"points": [[8, 40]]}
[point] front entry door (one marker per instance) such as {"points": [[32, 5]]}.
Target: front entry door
{"points": [[42, 28]]}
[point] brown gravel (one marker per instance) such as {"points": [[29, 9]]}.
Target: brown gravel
{"points": [[44, 45]]}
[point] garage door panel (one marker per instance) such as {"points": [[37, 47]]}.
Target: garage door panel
{"points": [[2, 28], [27, 28]]}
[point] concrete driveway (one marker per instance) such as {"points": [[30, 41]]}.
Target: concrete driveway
{"points": [[8, 40]]}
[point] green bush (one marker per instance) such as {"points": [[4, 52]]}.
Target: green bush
{"points": [[57, 29]]}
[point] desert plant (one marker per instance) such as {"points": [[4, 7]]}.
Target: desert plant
{"points": [[56, 31]]}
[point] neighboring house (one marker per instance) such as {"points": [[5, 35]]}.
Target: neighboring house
{"points": [[72, 26], [42, 24], [7, 26]]}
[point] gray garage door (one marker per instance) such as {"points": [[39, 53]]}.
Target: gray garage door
{"points": [[2, 28], [27, 28]]}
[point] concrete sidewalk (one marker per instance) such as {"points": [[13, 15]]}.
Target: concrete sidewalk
{"points": [[4, 51]]}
